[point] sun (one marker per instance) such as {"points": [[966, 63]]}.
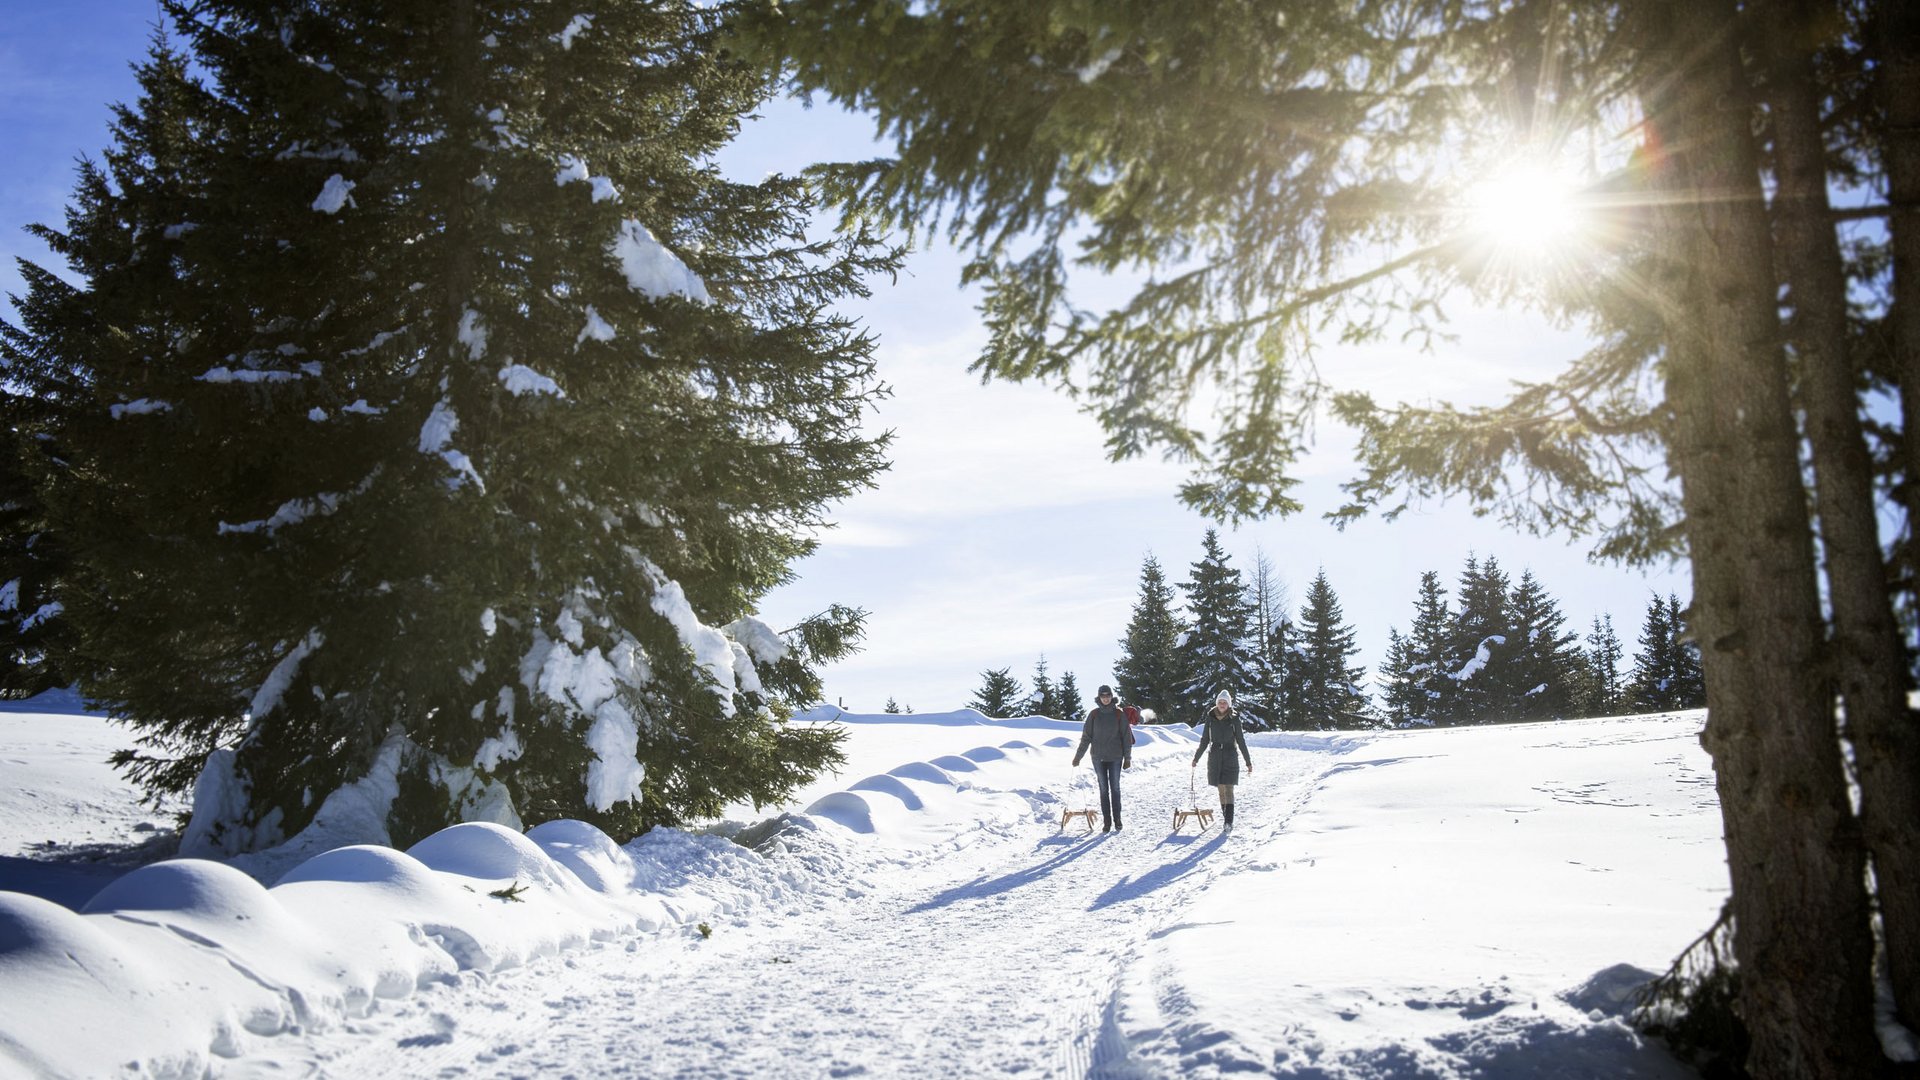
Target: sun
{"points": [[1527, 212]]}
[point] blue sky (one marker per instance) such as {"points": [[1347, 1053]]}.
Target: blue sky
{"points": [[1001, 533]]}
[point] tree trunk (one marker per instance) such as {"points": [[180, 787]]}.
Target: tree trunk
{"points": [[1896, 42], [1793, 848], [1867, 656]]}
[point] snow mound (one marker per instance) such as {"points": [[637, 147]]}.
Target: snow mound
{"points": [[196, 887], [591, 854], [481, 849]]}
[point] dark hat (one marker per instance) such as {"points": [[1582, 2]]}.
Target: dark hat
{"points": [[1104, 690]]}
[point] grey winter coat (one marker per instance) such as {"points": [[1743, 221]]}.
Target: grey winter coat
{"points": [[1107, 731], [1222, 734]]}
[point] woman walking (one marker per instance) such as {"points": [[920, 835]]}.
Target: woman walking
{"points": [[1107, 733], [1220, 731]]}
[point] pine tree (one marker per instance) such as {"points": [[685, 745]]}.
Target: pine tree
{"points": [[1481, 639], [436, 398], [1324, 152], [1543, 663], [1331, 686], [1215, 654], [1689, 686], [1147, 673], [1665, 670], [1000, 694], [1603, 655], [1071, 707], [1045, 698], [1430, 695], [1399, 694], [1265, 707], [891, 708], [33, 626]]}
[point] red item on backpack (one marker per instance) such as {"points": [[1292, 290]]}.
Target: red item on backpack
{"points": [[1132, 713]]}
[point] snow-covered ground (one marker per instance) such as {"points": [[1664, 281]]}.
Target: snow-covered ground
{"points": [[1455, 903]]}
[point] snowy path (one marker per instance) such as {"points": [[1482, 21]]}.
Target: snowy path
{"points": [[1003, 957]]}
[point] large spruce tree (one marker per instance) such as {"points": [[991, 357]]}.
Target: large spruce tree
{"points": [[1216, 654], [431, 395], [1147, 673], [1327, 155]]}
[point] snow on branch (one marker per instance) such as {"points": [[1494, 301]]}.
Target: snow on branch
{"points": [[267, 698], [142, 407], [579, 25], [334, 195], [519, 379], [651, 269]]}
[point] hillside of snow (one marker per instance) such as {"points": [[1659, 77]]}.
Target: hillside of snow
{"points": [[1451, 903]]}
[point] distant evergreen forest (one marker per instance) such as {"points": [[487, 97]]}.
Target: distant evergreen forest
{"points": [[1490, 650]]}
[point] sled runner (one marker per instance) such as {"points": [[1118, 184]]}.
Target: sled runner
{"points": [[1205, 817]]}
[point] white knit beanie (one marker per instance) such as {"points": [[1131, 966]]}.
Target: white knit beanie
{"points": [[1224, 695]]}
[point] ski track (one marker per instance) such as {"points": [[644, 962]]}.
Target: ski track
{"points": [[1003, 955]]}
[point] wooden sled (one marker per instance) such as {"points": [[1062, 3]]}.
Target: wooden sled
{"points": [[1180, 818], [1071, 814]]}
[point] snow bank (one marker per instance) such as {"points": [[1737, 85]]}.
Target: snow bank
{"points": [[182, 965]]}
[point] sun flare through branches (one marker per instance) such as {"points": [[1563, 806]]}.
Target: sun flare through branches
{"points": [[1527, 214]]}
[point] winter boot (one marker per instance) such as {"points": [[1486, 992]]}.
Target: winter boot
{"points": [[1117, 826], [1227, 812], [1106, 824]]}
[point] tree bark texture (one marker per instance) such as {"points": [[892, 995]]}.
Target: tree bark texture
{"points": [[1793, 847], [1867, 657], [1896, 47]]}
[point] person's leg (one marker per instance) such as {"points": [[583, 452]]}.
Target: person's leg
{"points": [[1102, 771], [1226, 803], [1116, 794]]}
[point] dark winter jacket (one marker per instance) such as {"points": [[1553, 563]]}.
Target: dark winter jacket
{"points": [[1221, 734], [1107, 731]]}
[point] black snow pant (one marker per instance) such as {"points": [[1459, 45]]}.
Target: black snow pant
{"points": [[1108, 773]]}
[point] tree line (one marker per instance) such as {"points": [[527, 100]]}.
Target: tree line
{"points": [[1499, 652]]}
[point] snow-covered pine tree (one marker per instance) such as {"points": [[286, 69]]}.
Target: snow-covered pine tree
{"points": [[1430, 697], [1482, 635], [1000, 694], [891, 708], [1215, 655], [1603, 653], [1332, 693], [1045, 697], [445, 412], [1071, 707], [1147, 673], [1542, 664]]}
